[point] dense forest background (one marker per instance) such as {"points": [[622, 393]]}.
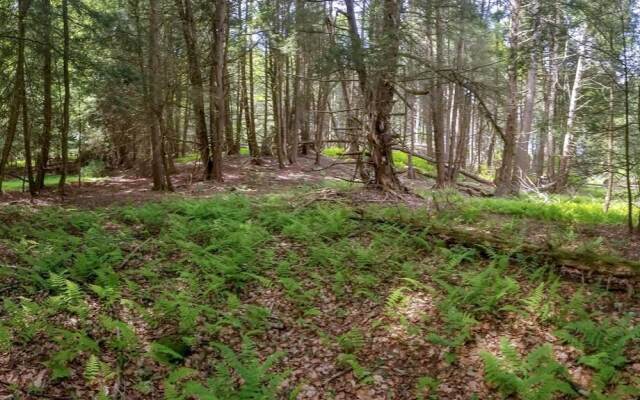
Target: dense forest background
{"points": [[530, 95], [317, 199]]}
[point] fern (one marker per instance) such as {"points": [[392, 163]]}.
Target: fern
{"points": [[69, 292], [351, 341], [457, 326], [5, 338], [537, 377], [94, 369], [537, 304], [396, 299], [426, 386], [487, 289], [603, 344], [351, 361]]}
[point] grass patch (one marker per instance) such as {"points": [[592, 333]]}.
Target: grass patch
{"points": [[333, 151], [578, 209], [188, 158], [15, 185], [400, 159]]}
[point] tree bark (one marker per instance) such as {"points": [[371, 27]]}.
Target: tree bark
{"points": [[26, 134], [45, 140], [437, 107], [218, 113], [64, 134], [161, 180], [610, 150], [246, 97], [523, 160], [378, 90], [18, 91], [195, 79], [504, 181], [569, 146]]}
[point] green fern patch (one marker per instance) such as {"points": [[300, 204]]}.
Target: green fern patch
{"points": [[219, 298], [538, 376]]}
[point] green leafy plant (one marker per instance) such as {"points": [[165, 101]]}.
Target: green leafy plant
{"points": [[426, 388], [238, 376], [351, 361], [538, 376], [351, 341], [603, 344]]}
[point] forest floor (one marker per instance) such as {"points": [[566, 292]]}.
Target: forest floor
{"points": [[296, 284]]}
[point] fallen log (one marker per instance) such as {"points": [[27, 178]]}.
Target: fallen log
{"points": [[463, 187], [588, 262], [432, 161]]}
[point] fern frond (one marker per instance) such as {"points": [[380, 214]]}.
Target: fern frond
{"points": [[92, 368]]}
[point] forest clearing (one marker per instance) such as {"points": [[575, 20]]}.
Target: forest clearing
{"points": [[333, 199]]}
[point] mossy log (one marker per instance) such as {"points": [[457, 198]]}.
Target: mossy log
{"points": [[587, 262]]}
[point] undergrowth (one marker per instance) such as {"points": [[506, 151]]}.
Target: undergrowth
{"points": [[165, 289]]}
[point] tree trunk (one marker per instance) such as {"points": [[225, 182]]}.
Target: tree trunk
{"points": [[246, 98], [161, 181], [378, 90], [26, 134], [276, 92], [610, 154], [185, 128], [18, 91], [437, 107], [228, 129], [218, 116], [64, 135], [569, 146], [523, 160], [504, 181], [195, 78], [45, 141]]}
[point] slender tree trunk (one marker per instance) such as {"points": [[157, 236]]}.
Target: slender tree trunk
{"points": [[462, 144], [185, 128], [267, 138], [26, 134], [410, 116], [545, 137], [638, 125], [246, 97], [197, 90], [437, 107], [45, 141], [228, 129], [323, 98], [505, 174], [278, 118], [18, 91], [627, 138], [252, 103], [217, 100], [569, 146], [64, 135], [523, 160], [610, 154]]}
